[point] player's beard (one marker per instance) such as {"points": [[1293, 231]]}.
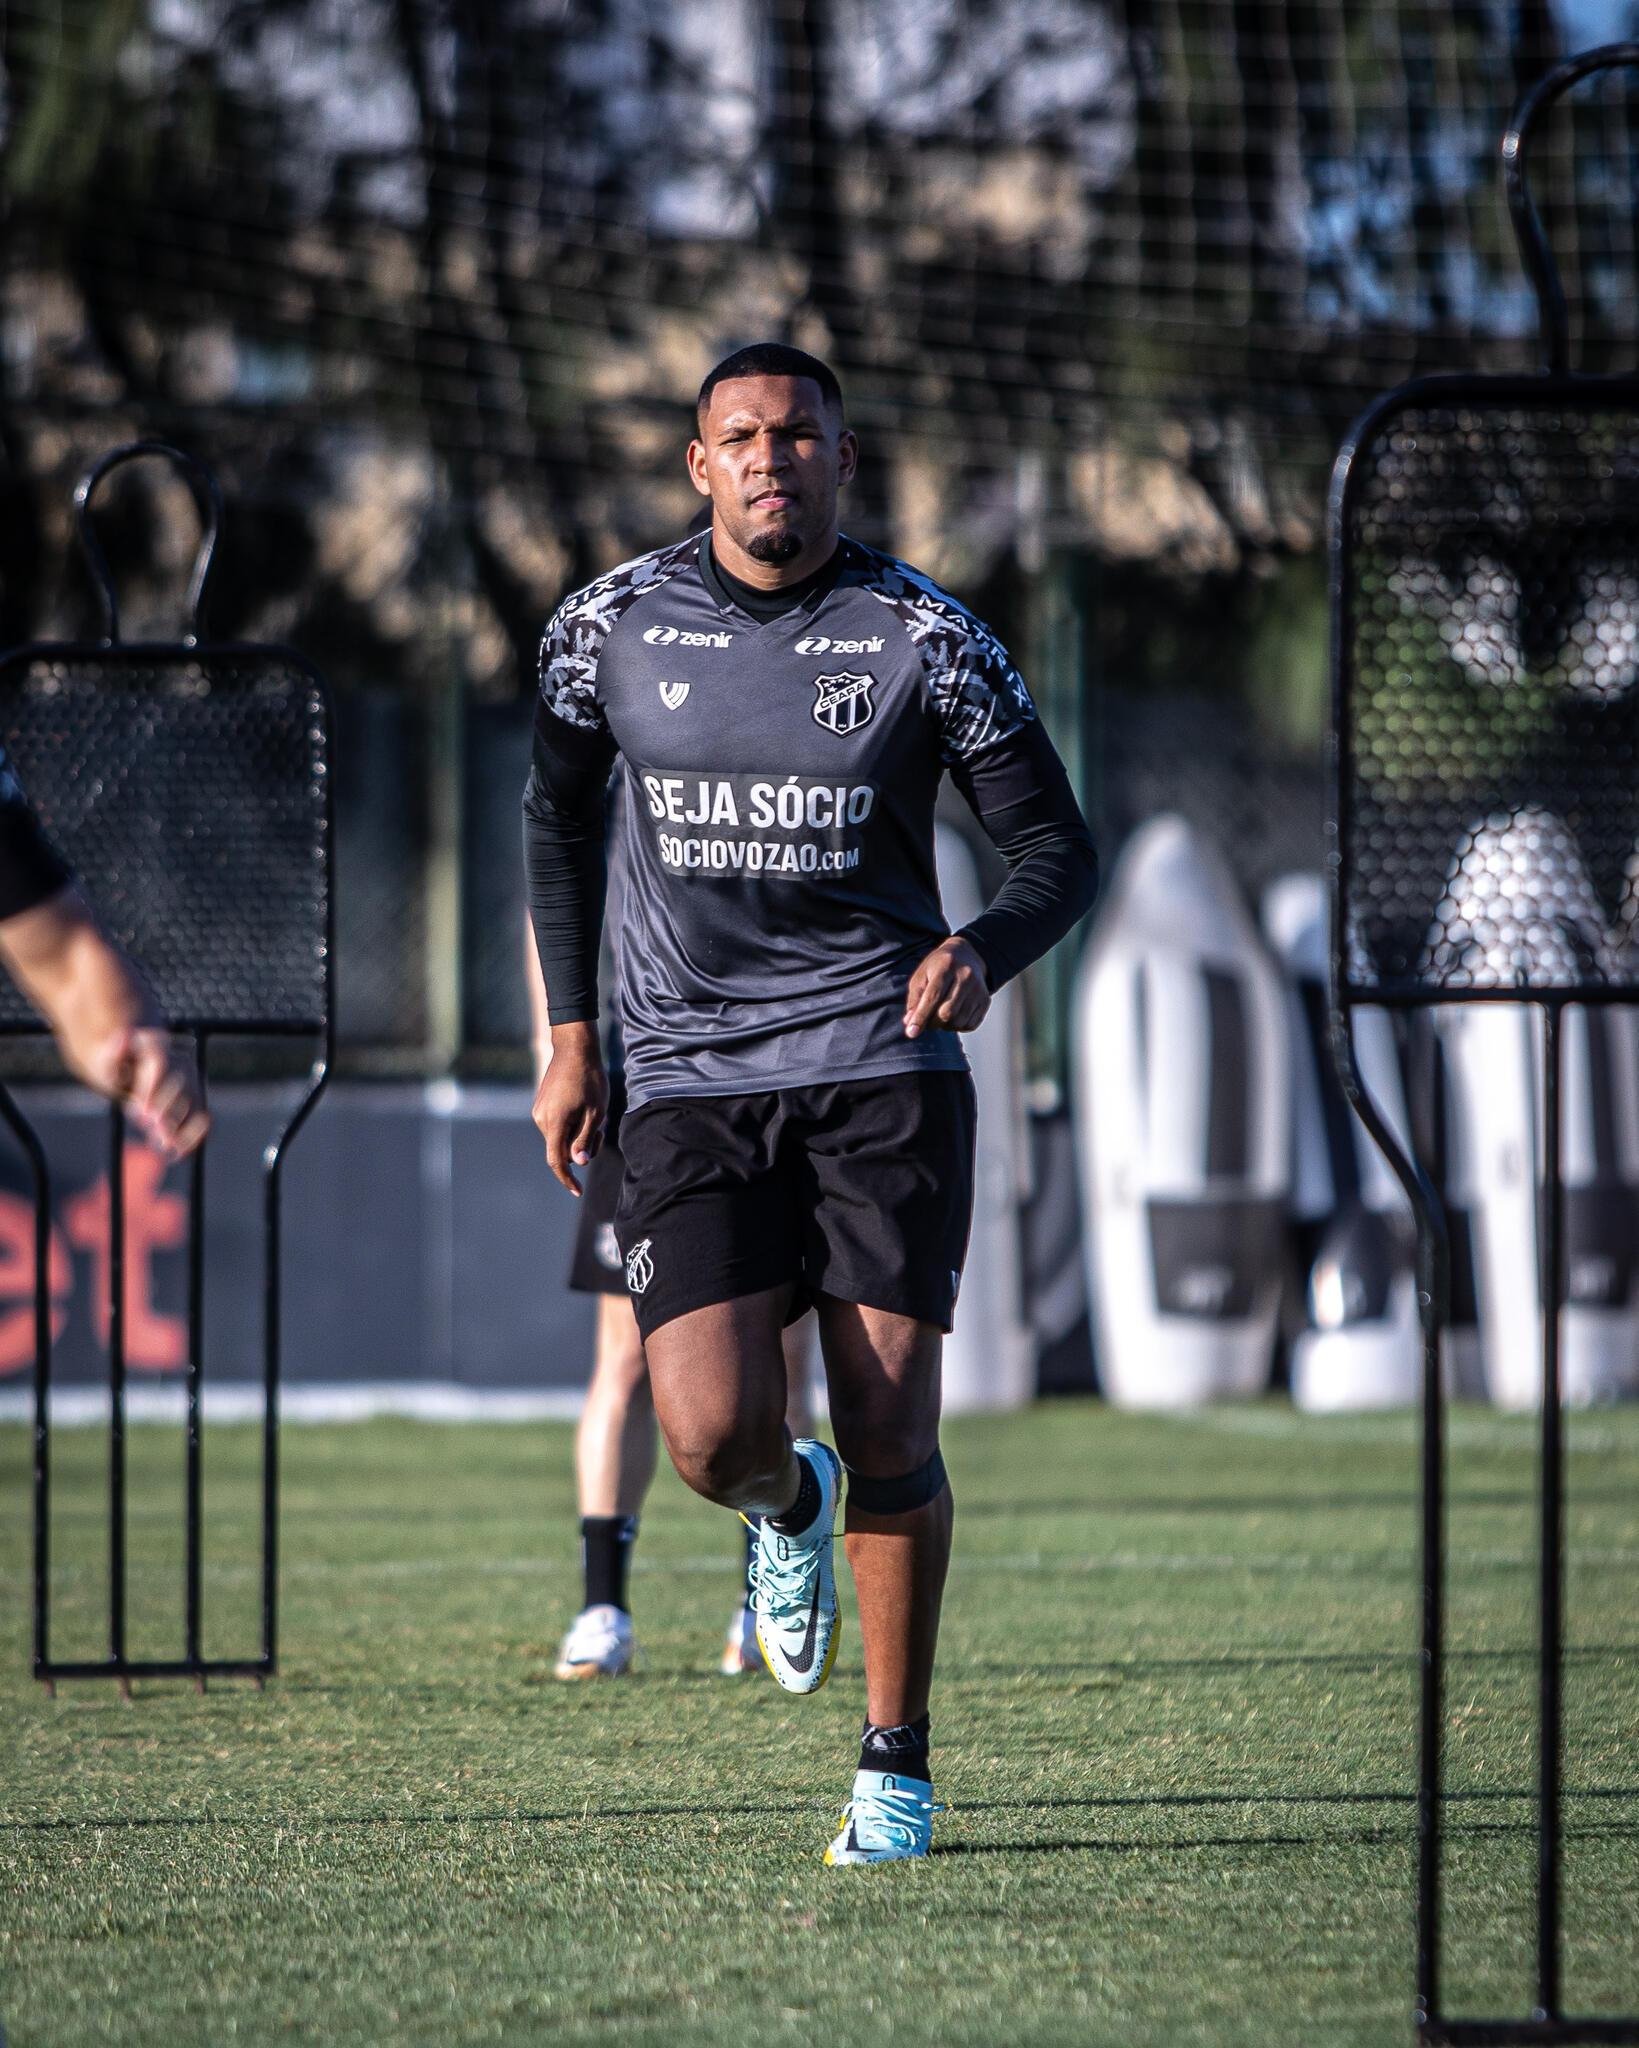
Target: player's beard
{"points": [[776, 548]]}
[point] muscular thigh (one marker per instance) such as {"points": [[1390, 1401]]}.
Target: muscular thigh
{"points": [[719, 1372], [882, 1378]]}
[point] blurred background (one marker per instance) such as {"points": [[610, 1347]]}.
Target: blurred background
{"points": [[430, 288]]}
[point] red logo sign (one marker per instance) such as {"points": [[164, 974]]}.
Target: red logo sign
{"points": [[154, 1222]]}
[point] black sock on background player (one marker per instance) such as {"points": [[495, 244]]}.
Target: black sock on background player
{"points": [[606, 1553]]}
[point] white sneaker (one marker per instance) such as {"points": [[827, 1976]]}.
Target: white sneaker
{"points": [[794, 1589], [888, 1819], [740, 1651], [599, 1645]]}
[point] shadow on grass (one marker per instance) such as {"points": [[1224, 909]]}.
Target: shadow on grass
{"points": [[1257, 1660], [1106, 1845], [716, 1809], [1187, 1799], [1294, 1503], [1347, 1838]]}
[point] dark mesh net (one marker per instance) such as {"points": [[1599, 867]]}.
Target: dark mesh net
{"points": [[189, 793], [1490, 716]]}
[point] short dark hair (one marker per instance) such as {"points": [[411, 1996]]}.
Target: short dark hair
{"points": [[771, 359]]}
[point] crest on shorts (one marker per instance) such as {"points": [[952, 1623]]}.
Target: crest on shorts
{"points": [[607, 1247], [672, 694], [639, 1266], [843, 703]]}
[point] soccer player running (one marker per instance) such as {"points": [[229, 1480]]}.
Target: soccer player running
{"points": [[783, 702]]}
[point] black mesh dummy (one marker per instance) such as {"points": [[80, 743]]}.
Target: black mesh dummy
{"points": [[188, 788], [1489, 694]]}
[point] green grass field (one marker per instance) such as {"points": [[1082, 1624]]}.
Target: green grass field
{"points": [[1174, 1730]]}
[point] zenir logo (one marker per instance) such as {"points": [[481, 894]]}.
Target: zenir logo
{"points": [[817, 643], [671, 636]]}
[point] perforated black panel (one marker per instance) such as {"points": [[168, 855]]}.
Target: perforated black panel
{"points": [[1488, 683], [190, 792]]}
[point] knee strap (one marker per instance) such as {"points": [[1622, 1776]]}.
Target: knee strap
{"points": [[901, 1496]]}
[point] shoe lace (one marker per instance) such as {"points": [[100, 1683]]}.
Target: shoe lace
{"points": [[782, 1585], [897, 1815]]}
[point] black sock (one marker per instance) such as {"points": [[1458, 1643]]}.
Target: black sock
{"points": [[605, 1551], [804, 1508], [753, 1523], [902, 1750]]}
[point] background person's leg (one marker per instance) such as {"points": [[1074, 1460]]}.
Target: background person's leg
{"points": [[883, 1374], [615, 1444], [797, 1342], [614, 1463]]}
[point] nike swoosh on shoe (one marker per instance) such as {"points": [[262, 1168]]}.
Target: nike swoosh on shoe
{"points": [[805, 1663]]}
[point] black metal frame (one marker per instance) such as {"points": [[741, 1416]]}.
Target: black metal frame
{"points": [[118, 1664], [1548, 2023]]}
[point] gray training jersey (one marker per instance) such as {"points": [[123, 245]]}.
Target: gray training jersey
{"points": [[778, 785]]}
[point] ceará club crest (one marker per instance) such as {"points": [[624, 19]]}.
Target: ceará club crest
{"points": [[843, 702]]}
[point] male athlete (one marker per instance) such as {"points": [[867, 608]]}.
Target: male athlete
{"points": [[783, 702]]}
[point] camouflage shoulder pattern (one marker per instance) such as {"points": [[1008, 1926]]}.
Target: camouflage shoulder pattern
{"points": [[576, 632], [979, 697]]}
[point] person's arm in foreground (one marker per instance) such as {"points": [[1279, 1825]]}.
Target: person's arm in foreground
{"points": [[103, 1017], [565, 871], [1021, 796]]}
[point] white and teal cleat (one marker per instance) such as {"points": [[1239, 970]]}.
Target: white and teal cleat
{"points": [[888, 1820], [794, 1588]]}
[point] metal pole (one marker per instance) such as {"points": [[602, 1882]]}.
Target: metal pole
{"points": [[1431, 1669], [42, 1406], [270, 1411], [196, 1353], [273, 1160], [1551, 1538], [23, 1131], [1433, 1303], [116, 1391]]}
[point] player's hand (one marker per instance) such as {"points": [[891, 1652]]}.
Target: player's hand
{"points": [[157, 1083], [948, 991], [572, 1102], [104, 1018]]}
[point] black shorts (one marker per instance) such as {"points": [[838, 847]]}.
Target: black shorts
{"points": [[859, 1189], [596, 1267]]}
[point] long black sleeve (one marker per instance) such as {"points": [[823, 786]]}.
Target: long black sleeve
{"points": [[1020, 794], [565, 866]]}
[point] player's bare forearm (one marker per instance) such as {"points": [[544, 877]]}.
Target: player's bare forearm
{"points": [[949, 990], [572, 1102], [107, 1028]]}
